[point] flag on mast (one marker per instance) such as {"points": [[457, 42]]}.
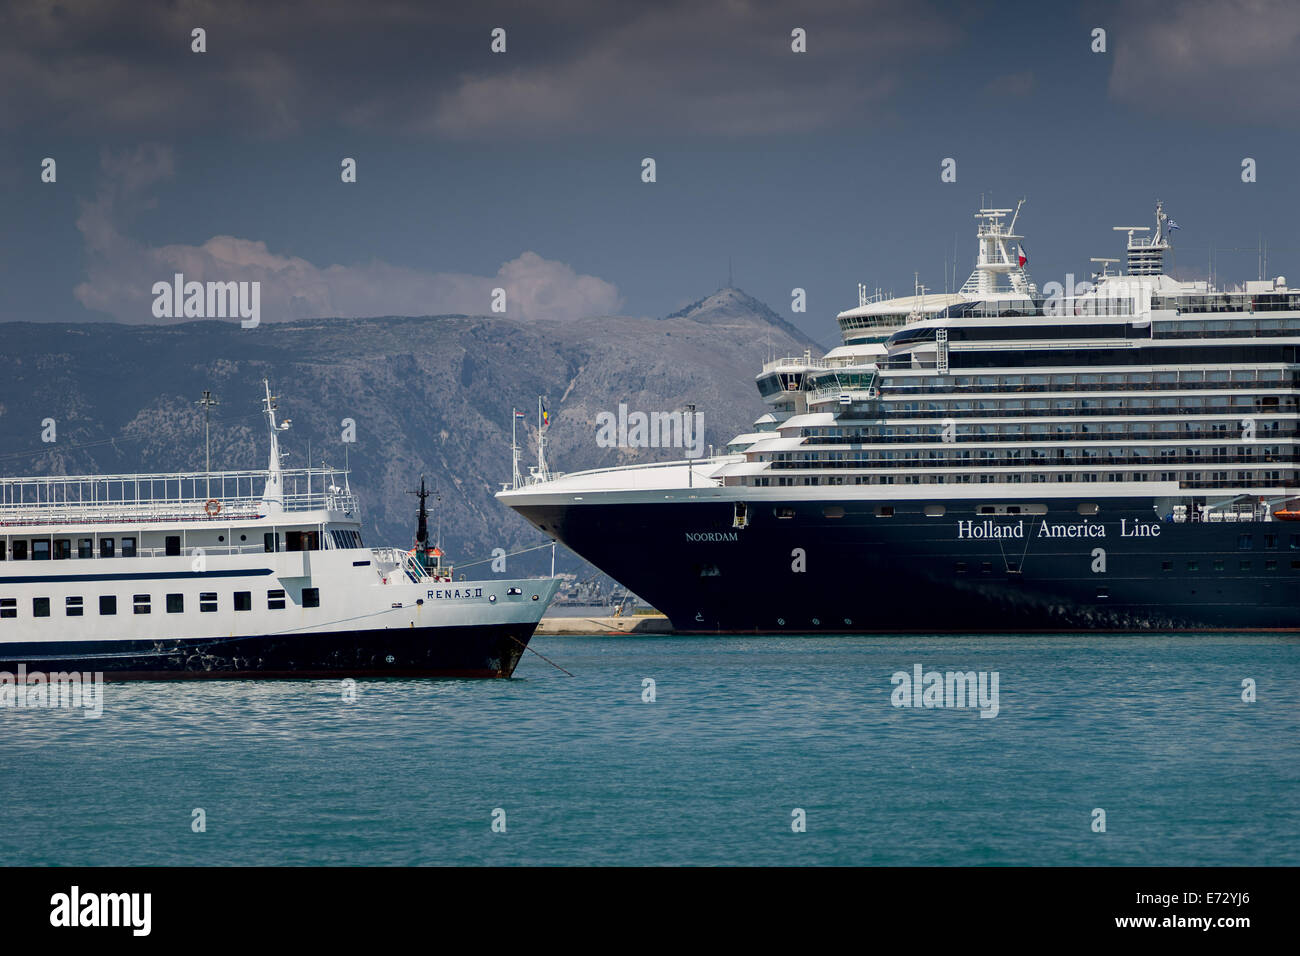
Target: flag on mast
{"points": [[546, 416], [1021, 255]]}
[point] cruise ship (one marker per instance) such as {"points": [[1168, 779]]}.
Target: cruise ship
{"points": [[238, 574], [1120, 455]]}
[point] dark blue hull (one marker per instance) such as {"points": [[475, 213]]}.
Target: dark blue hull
{"points": [[864, 573], [473, 651]]}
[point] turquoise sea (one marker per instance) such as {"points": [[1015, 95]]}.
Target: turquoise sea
{"points": [[743, 731]]}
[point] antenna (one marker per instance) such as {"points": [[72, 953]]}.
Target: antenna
{"points": [[517, 479], [207, 401], [422, 518], [1012, 228], [271, 493], [1145, 254], [422, 528], [543, 420], [1104, 264], [690, 465]]}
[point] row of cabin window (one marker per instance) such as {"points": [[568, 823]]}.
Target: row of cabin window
{"points": [[142, 603], [1218, 564], [43, 549], [1186, 479]]}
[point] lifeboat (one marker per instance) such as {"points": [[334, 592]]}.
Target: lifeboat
{"points": [[1288, 513]]}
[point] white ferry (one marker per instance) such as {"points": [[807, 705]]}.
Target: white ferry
{"points": [[237, 574]]}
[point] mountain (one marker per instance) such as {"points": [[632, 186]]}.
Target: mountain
{"points": [[734, 308], [430, 396]]}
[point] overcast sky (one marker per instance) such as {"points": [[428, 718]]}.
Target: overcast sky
{"points": [[522, 170]]}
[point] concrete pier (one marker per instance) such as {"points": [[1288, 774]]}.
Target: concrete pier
{"points": [[632, 624]]}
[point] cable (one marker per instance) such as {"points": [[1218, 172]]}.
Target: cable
{"points": [[539, 654], [510, 555]]}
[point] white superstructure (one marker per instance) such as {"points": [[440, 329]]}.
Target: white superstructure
{"points": [[174, 568]]}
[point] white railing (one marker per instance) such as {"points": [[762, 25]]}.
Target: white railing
{"points": [[700, 469], [207, 550], [168, 497], [389, 560], [801, 362], [817, 396]]}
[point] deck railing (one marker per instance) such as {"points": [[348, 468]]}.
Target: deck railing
{"points": [[791, 361], [168, 497], [390, 561]]}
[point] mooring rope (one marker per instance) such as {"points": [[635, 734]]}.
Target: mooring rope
{"points": [[510, 555], [539, 654]]}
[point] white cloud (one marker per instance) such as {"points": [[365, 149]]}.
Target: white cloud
{"points": [[122, 270]]}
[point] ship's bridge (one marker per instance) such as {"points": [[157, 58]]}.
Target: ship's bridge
{"points": [[876, 321], [786, 375]]}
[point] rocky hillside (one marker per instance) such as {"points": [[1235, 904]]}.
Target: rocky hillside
{"points": [[429, 396]]}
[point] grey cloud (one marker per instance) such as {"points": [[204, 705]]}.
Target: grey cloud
{"points": [[1232, 60], [722, 67], [1017, 85]]}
